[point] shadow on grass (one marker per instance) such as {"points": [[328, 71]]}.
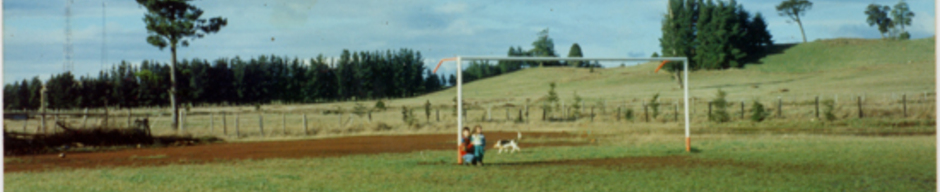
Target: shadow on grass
{"points": [[772, 50]]}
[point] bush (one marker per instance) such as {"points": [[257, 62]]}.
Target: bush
{"points": [[408, 117], [628, 114], [758, 112], [360, 110], [654, 105], [576, 106], [720, 114], [829, 110], [904, 36], [379, 105]]}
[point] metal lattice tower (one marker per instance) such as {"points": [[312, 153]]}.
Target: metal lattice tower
{"points": [[67, 66], [104, 36]]}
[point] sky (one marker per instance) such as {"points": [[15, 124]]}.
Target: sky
{"points": [[34, 31]]}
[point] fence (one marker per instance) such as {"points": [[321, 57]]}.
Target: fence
{"points": [[242, 123]]}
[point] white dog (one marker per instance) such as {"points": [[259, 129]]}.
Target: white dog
{"points": [[511, 144]]}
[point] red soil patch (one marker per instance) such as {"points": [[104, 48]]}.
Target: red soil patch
{"points": [[258, 150]]}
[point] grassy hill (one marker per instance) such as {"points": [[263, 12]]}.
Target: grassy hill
{"points": [[848, 67]]}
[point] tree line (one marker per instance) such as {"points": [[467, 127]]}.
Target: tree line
{"points": [[265, 79], [543, 46]]}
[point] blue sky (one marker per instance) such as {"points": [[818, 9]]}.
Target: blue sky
{"points": [[34, 37]]}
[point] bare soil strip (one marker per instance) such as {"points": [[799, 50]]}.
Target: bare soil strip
{"points": [[258, 150]]}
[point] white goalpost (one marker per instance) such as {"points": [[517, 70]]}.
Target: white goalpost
{"points": [[460, 59]]}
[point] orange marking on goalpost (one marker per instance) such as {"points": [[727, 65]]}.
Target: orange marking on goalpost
{"points": [[442, 61], [657, 68]]}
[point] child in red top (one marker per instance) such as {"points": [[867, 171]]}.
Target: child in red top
{"points": [[465, 148]]}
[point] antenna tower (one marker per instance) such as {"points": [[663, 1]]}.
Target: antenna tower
{"points": [[67, 66]]}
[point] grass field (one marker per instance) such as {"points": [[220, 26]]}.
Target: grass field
{"points": [[843, 70], [652, 162], [885, 151]]}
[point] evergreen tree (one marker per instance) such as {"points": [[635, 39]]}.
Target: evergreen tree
{"points": [[544, 46], [575, 52]]}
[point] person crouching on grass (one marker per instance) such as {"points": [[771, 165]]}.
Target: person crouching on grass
{"points": [[478, 141], [465, 148]]}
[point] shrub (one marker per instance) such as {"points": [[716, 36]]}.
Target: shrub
{"points": [[758, 112], [552, 97], [654, 105], [829, 109], [360, 110], [379, 105], [904, 36], [628, 114], [427, 110], [720, 114], [408, 116], [576, 106]]}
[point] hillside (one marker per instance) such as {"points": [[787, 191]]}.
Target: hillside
{"points": [[829, 68]]}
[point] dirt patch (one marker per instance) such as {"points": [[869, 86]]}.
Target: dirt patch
{"points": [[258, 150]]}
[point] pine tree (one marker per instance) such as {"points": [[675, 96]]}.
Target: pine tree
{"points": [[575, 52]]}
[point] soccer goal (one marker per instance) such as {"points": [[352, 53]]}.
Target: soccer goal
{"points": [[460, 59]]}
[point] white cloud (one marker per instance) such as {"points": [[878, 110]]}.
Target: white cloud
{"points": [[286, 14], [452, 8]]}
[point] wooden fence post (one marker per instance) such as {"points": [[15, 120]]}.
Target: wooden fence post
{"points": [[237, 134], [305, 123], [592, 113], [84, 119], [261, 123], [646, 114], [779, 107], [520, 115], [527, 112], [742, 110], [709, 110], [25, 122], [817, 107], [544, 113], [489, 113], [904, 104], [618, 114], [860, 113], [675, 112], [182, 121], [128, 117], [224, 127], [564, 110]]}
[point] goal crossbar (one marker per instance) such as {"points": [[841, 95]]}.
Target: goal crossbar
{"points": [[459, 59]]}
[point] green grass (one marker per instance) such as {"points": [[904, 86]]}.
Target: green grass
{"points": [[838, 69], [640, 163], [842, 53]]}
